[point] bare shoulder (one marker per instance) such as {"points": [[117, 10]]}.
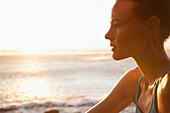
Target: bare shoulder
{"points": [[132, 75], [129, 82], [163, 94]]}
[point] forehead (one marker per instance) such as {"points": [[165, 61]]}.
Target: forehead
{"points": [[122, 9]]}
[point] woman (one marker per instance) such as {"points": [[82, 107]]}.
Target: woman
{"points": [[138, 30]]}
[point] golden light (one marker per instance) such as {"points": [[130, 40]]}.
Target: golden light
{"points": [[36, 26], [34, 52], [31, 66], [33, 88]]}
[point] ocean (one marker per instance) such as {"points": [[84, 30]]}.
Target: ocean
{"points": [[68, 81]]}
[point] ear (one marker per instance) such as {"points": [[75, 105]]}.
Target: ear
{"points": [[153, 24]]}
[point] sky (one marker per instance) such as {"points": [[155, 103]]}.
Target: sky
{"points": [[54, 24]]}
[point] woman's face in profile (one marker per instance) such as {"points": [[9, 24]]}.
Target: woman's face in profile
{"points": [[127, 31]]}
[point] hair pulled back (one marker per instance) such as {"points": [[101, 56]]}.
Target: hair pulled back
{"points": [[159, 8]]}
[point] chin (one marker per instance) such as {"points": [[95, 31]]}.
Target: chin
{"points": [[119, 57]]}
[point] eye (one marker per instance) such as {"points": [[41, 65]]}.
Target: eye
{"points": [[116, 24]]}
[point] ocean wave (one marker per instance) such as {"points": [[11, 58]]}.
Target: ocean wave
{"points": [[37, 105]]}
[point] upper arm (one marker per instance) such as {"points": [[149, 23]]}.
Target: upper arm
{"points": [[121, 96], [127, 84]]}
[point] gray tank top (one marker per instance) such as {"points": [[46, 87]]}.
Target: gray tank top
{"points": [[153, 108]]}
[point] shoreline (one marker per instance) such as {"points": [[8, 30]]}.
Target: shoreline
{"points": [[83, 109], [55, 109]]}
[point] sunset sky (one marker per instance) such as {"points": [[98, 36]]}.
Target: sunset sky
{"points": [[54, 24]]}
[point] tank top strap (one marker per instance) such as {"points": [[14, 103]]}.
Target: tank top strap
{"points": [[157, 81], [153, 108], [137, 92]]}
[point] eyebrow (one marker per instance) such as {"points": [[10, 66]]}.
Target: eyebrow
{"points": [[116, 20], [129, 18]]}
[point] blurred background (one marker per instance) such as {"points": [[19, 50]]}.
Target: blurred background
{"points": [[53, 54]]}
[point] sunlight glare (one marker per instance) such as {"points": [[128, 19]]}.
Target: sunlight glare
{"points": [[31, 66], [33, 88], [40, 25]]}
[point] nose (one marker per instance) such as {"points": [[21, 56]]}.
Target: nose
{"points": [[108, 35]]}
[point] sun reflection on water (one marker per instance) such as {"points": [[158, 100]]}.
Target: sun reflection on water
{"points": [[34, 88], [31, 65]]}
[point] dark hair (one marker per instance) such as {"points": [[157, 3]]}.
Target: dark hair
{"points": [[160, 8]]}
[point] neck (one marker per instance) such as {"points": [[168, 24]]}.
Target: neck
{"points": [[151, 63]]}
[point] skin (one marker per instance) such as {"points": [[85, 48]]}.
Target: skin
{"points": [[139, 39]]}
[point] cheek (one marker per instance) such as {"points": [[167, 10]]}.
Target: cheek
{"points": [[129, 39], [122, 38], [138, 37]]}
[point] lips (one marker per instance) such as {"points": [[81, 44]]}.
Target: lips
{"points": [[113, 47], [112, 44]]}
